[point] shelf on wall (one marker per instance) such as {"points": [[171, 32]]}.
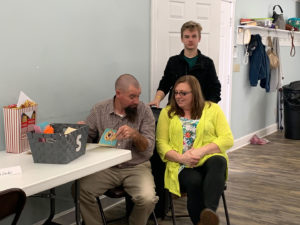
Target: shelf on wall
{"points": [[283, 35]]}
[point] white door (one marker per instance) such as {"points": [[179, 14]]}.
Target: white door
{"points": [[167, 19], [225, 57]]}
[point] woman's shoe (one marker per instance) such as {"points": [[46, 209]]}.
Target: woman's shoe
{"points": [[255, 140], [208, 217]]}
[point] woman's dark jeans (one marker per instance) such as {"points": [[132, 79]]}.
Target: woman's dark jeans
{"points": [[204, 186]]}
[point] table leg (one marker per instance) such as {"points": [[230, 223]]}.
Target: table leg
{"points": [[52, 208], [76, 202]]}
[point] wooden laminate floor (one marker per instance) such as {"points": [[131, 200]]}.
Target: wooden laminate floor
{"points": [[263, 186], [264, 183]]}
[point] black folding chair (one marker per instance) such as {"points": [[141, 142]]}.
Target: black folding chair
{"points": [[12, 201]]}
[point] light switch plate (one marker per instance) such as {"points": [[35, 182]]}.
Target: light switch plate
{"points": [[236, 67]]}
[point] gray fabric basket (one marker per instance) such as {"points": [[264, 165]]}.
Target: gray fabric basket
{"points": [[58, 148]]}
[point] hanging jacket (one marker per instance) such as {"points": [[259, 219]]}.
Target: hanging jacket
{"points": [[259, 63]]}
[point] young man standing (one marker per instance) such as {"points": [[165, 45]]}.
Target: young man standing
{"points": [[190, 62]]}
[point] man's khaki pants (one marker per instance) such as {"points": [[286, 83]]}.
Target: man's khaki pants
{"points": [[138, 183]]}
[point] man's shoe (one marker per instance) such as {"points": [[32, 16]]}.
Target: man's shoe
{"points": [[208, 217]]}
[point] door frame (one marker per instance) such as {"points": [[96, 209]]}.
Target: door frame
{"points": [[153, 44], [154, 55], [227, 92]]}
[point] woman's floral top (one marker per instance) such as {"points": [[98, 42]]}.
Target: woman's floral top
{"points": [[189, 135]]}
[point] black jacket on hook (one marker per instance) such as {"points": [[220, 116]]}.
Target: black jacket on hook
{"points": [[259, 63]]}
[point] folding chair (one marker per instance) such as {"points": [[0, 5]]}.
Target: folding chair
{"points": [[12, 201]]}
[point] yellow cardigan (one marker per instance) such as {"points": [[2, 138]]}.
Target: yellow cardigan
{"points": [[212, 128]]}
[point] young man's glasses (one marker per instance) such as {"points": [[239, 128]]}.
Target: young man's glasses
{"points": [[181, 93]]}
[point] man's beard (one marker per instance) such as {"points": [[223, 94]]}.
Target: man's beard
{"points": [[131, 113]]}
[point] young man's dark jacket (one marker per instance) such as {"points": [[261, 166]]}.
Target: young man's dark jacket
{"points": [[204, 70]]}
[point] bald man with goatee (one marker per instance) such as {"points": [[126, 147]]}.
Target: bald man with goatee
{"points": [[135, 127]]}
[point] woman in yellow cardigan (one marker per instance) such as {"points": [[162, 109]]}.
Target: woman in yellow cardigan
{"points": [[192, 137]]}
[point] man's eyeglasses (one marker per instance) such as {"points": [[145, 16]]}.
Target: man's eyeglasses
{"points": [[181, 93]]}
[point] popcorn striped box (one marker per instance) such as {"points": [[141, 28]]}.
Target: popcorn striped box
{"points": [[17, 122]]}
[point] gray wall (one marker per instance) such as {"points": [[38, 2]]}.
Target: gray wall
{"points": [[66, 55], [252, 108]]}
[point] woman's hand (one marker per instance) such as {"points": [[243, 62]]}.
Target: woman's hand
{"points": [[189, 158], [198, 152], [206, 150]]}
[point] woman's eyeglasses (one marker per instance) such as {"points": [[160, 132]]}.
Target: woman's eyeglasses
{"points": [[181, 93]]}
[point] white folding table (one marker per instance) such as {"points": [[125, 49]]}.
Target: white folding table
{"points": [[37, 177]]}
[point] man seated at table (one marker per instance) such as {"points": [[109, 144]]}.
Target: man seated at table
{"points": [[135, 130]]}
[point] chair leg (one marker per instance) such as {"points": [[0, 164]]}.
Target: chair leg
{"points": [[129, 205], [172, 208], [154, 218], [225, 209], [101, 211]]}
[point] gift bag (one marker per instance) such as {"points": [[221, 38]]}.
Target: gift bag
{"points": [[17, 122]]}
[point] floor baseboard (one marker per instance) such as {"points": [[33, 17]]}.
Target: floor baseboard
{"points": [[245, 140], [58, 215]]}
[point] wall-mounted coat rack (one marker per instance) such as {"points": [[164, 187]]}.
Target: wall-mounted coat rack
{"points": [[283, 35]]}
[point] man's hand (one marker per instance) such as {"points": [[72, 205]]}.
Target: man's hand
{"points": [[139, 140], [125, 132], [81, 122]]}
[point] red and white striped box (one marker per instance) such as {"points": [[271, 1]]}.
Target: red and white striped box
{"points": [[17, 122]]}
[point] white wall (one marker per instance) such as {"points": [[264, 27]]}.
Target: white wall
{"points": [[252, 108]]}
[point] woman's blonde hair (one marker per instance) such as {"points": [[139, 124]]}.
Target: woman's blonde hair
{"points": [[198, 100]]}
